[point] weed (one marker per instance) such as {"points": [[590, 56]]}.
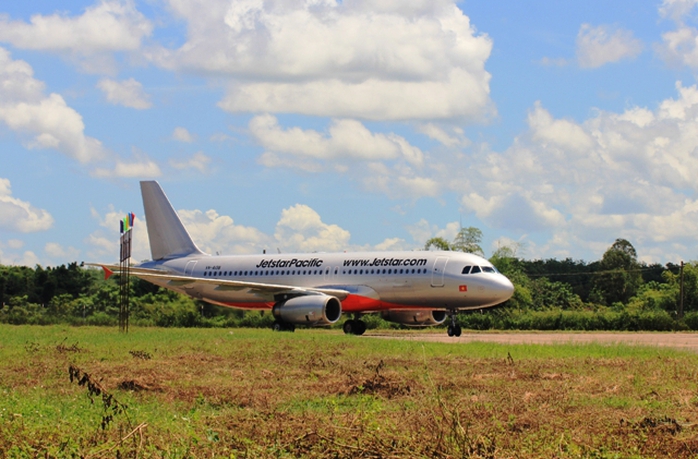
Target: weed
{"points": [[111, 406], [63, 348], [142, 355]]}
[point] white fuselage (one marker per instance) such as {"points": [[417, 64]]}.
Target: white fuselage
{"points": [[375, 280]]}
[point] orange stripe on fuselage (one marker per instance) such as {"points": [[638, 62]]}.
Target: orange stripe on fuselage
{"points": [[351, 304]]}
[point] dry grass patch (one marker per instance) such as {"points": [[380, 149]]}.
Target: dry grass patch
{"points": [[210, 393]]}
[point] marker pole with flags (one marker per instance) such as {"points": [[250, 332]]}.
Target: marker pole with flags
{"points": [[126, 225]]}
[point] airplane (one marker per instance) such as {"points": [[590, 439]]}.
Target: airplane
{"points": [[412, 288]]}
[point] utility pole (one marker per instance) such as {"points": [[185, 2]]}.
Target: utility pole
{"points": [[125, 271], [681, 292]]}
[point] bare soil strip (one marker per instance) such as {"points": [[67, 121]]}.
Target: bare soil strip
{"points": [[684, 340]]}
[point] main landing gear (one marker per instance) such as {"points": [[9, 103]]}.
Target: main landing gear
{"points": [[453, 329], [278, 326], [354, 327]]}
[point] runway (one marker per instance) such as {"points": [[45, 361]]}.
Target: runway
{"points": [[678, 340]]}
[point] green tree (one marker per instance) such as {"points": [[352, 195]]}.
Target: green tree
{"points": [[506, 262], [620, 276], [438, 243], [468, 240]]}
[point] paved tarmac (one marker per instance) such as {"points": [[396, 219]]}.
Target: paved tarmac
{"points": [[679, 340]]}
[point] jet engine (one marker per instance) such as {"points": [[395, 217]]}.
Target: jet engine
{"points": [[415, 318], [309, 310]]}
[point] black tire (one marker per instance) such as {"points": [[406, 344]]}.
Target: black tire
{"points": [[457, 331], [277, 326], [349, 327], [360, 327], [450, 330]]}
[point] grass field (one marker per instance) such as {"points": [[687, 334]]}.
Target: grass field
{"points": [[179, 393]]}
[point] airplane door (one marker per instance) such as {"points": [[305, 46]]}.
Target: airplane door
{"points": [[189, 269], [437, 275]]}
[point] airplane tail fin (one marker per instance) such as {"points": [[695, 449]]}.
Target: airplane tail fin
{"points": [[168, 236]]}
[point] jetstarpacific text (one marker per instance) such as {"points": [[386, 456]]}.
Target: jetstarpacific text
{"points": [[294, 263]]}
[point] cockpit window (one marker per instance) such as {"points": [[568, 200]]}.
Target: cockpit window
{"points": [[475, 270], [466, 270], [488, 269]]}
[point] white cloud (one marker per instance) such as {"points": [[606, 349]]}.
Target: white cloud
{"points": [[676, 9], [128, 93], [453, 139], [107, 26], [553, 62], [215, 233], [629, 174], [51, 122], [344, 140], [199, 162], [15, 244], [139, 168], [605, 44], [301, 229], [561, 133], [181, 134], [58, 252], [104, 243], [680, 45], [422, 231], [18, 215], [345, 60]]}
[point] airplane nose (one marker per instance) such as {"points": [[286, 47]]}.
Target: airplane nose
{"points": [[505, 289]]}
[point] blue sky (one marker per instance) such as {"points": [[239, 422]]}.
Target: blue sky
{"points": [[318, 125]]}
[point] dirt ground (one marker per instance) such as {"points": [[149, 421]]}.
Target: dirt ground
{"points": [[683, 340]]}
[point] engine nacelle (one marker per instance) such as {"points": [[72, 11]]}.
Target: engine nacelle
{"points": [[309, 310], [415, 318]]}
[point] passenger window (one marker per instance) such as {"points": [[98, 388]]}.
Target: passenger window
{"points": [[466, 270], [475, 270]]}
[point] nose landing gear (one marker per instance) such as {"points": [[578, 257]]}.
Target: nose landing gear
{"points": [[453, 328]]}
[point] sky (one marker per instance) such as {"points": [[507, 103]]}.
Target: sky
{"points": [[320, 125]]}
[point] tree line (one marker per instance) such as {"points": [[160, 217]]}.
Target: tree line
{"points": [[617, 292]]}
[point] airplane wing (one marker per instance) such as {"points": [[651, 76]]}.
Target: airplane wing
{"points": [[260, 288], [109, 270]]}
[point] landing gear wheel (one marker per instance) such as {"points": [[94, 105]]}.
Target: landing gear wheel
{"points": [[349, 327], [360, 327], [279, 326], [354, 327], [453, 329]]}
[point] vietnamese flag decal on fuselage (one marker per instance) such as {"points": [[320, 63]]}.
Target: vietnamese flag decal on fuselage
{"points": [[463, 288]]}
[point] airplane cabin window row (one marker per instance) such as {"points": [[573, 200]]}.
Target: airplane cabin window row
{"points": [[283, 272], [313, 272]]}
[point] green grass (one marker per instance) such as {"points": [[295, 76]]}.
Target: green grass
{"points": [[319, 393]]}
